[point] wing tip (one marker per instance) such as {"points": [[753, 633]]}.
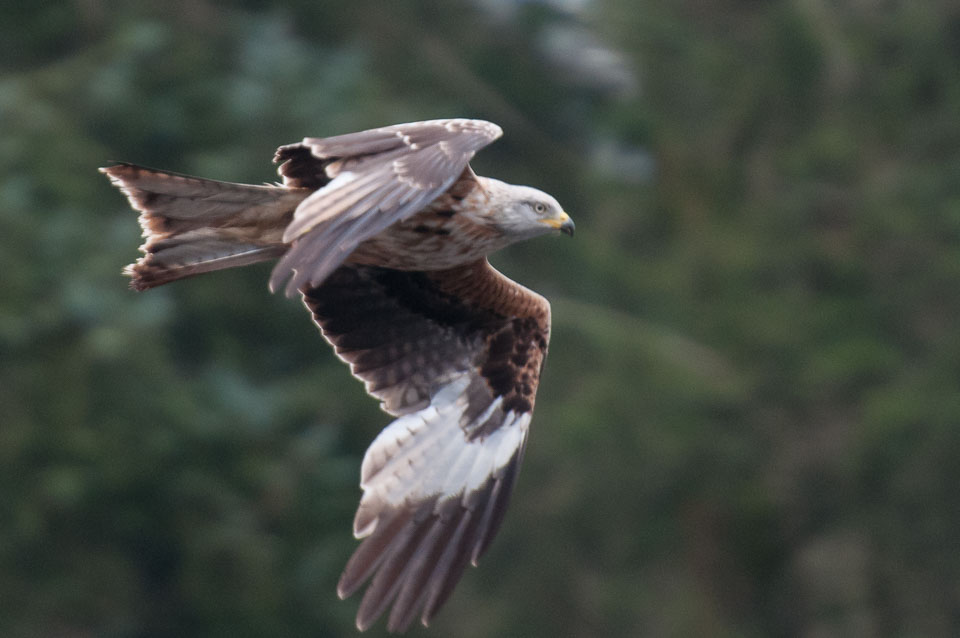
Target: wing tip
{"points": [[496, 130]]}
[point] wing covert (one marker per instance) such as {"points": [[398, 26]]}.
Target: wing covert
{"points": [[373, 179]]}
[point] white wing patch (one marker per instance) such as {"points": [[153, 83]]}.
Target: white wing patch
{"points": [[427, 455]]}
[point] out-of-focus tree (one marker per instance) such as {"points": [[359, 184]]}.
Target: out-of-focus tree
{"points": [[748, 421]]}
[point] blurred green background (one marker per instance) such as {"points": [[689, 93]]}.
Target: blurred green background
{"points": [[748, 425]]}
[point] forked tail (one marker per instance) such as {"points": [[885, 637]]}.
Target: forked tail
{"points": [[193, 225]]}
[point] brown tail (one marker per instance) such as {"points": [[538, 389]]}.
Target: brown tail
{"points": [[193, 225]]}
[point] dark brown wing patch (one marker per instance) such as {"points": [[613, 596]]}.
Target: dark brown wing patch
{"points": [[515, 355], [300, 168], [400, 334], [404, 332]]}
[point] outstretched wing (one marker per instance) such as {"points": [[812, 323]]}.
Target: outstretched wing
{"points": [[456, 355], [365, 182]]}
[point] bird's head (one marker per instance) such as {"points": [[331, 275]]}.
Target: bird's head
{"points": [[523, 212]]}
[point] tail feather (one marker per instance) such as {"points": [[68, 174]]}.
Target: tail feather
{"points": [[188, 255], [193, 225]]}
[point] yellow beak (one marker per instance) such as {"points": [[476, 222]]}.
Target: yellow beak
{"points": [[563, 223]]}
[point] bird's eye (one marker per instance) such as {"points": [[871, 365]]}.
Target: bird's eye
{"points": [[540, 208]]}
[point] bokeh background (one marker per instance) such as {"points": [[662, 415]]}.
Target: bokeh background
{"points": [[749, 424]]}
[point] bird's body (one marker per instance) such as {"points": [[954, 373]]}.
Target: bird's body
{"points": [[385, 234], [443, 235]]}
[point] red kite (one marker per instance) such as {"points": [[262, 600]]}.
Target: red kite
{"points": [[386, 233]]}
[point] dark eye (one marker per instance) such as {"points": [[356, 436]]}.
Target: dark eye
{"points": [[540, 208]]}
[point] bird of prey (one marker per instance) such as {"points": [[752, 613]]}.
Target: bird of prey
{"points": [[385, 233]]}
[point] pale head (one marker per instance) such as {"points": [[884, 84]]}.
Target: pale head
{"points": [[523, 212]]}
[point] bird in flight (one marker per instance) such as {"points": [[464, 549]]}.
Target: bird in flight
{"points": [[385, 233]]}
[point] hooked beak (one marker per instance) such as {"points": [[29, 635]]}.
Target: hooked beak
{"points": [[563, 223]]}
